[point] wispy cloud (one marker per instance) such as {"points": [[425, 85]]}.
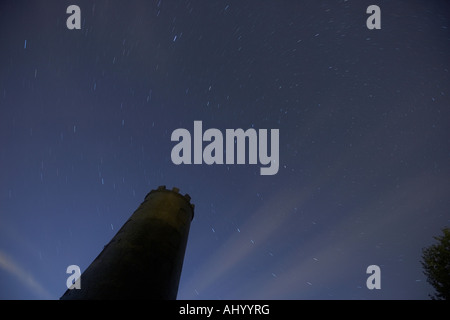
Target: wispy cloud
{"points": [[260, 227], [12, 267]]}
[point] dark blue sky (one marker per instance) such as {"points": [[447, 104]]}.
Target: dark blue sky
{"points": [[86, 118]]}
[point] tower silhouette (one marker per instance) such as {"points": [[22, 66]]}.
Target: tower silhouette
{"points": [[144, 259]]}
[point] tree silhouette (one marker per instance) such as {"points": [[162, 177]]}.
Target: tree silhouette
{"points": [[436, 264]]}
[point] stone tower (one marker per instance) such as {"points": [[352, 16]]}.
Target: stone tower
{"points": [[145, 257]]}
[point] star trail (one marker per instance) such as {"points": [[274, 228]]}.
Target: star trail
{"points": [[362, 116]]}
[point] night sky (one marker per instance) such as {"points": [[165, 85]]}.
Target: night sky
{"points": [[86, 118]]}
